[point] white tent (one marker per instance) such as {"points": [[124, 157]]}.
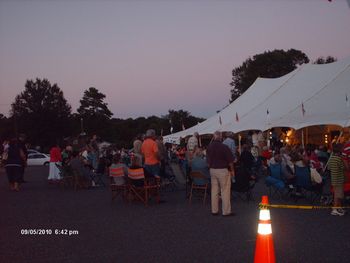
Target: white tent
{"points": [[310, 95]]}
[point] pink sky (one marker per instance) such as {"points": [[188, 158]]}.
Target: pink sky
{"points": [[150, 56]]}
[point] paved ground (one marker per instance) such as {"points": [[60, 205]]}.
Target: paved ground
{"points": [[170, 232]]}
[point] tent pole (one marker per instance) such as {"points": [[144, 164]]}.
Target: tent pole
{"points": [[268, 138], [302, 137], [200, 141], [239, 143]]}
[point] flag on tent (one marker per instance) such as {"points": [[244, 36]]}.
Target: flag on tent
{"points": [[267, 116], [220, 121], [303, 109], [237, 119]]}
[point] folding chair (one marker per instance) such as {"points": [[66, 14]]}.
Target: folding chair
{"points": [[303, 183], [242, 186], [141, 187], [275, 182], [200, 183], [116, 189]]}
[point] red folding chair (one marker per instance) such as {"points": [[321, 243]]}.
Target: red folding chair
{"points": [[115, 175], [141, 187]]}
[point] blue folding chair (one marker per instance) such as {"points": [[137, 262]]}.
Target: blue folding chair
{"points": [[304, 185], [275, 181]]}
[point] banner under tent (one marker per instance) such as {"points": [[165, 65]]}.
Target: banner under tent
{"points": [[312, 94]]}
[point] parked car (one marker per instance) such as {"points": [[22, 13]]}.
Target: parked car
{"points": [[38, 159], [31, 151]]}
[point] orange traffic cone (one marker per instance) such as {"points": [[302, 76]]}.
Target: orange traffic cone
{"points": [[264, 250]]}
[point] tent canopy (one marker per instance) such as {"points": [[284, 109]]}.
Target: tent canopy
{"points": [[310, 95]]}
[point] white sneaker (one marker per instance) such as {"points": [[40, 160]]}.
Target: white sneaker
{"points": [[337, 212], [342, 210]]}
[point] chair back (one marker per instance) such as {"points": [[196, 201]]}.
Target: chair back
{"points": [[302, 176], [276, 171], [198, 178], [116, 172], [136, 174]]}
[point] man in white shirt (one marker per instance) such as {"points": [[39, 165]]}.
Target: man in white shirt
{"points": [[230, 142]]}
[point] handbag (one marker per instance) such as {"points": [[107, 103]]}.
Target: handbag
{"points": [[315, 176]]}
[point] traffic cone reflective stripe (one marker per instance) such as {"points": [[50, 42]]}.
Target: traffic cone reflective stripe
{"points": [[264, 250]]}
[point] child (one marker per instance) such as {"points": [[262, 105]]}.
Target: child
{"points": [[336, 166]]}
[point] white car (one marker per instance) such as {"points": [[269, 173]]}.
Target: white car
{"points": [[31, 151], [38, 159]]}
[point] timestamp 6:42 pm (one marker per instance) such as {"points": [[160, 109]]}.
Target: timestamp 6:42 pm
{"points": [[66, 232]]}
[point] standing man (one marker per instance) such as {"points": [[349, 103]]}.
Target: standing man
{"points": [[149, 149], [220, 161], [230, 143]]}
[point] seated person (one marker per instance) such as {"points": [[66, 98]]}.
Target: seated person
{"points": [[311, 155], [322, 155], [199, 164], [78, 165], [148, 176], [265, 155], [247, 161], [299, 159], [116, 163], [286, 171]]}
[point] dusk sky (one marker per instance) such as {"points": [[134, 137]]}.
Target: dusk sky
{"points": [[150, 56]]}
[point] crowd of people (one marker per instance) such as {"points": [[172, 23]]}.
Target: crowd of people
{"points": [[220, 161]]}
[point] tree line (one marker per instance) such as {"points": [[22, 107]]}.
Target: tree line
{"points": [[44, 115]]}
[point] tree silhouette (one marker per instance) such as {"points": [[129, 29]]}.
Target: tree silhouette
{"points": [[95, 113], [322, 60], [41, 112], [92, 105], [180, 119], [271, 64]]}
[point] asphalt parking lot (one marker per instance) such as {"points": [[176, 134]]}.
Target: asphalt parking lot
{"points": [[86, 227]]}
